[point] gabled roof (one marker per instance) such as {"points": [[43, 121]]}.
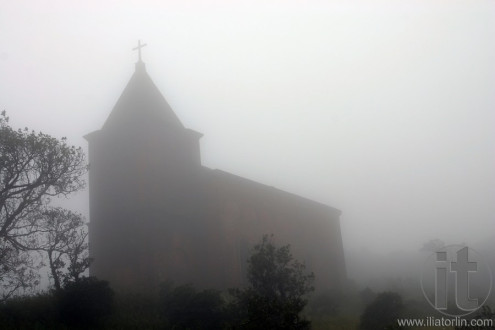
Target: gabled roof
{"points": [[141, 103], [245, 186]]}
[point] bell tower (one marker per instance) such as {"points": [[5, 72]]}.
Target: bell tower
{"points": [[143, 184]]}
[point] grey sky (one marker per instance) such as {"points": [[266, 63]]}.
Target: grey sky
{"points": [[383, 109]]}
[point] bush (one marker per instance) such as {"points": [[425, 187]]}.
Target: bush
{"points": [[85, 303], [29, 312], [326, 303], [184, 308], [383, 312], [135, 311]]}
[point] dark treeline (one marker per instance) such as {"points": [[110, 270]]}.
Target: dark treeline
{"points": [[91, 304]]}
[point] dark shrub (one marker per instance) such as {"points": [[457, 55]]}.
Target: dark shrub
{"points": [[135, 311], [184, 308], [383, 312], [325, 303], [86, 302], [29, 312]]}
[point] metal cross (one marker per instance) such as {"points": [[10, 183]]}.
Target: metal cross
{"points": [[139, 46]]}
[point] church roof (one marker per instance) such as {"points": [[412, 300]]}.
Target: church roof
{"points": [[248, 187], [141, 103]]}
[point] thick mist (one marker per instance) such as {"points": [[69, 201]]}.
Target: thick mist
{"points": [[383, 110]]}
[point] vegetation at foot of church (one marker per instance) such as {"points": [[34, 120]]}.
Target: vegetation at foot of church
{"points": [[277, 291], [382, 312], [276, 294], [85, 304], [184, 307], [173, 307], [35, 167], [276, 297]]}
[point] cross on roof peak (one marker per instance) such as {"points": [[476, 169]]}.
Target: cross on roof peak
{"points": [[139, 46]]}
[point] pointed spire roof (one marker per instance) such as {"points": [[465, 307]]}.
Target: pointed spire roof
{"points": [[141, 103]]}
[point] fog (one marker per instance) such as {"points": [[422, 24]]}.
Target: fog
{"points": [[383, 109]]}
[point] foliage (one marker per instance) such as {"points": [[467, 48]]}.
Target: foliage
{"points": [[277, 288], [383, 312], [135, 311], [326, 303], [30, 312], [184, 308], [337, 322], [17, 271], [65, 243], [33, 168], [86, 302], [484, 314]]}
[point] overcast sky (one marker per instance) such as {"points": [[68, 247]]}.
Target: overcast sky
{"points": [[383, 109]]}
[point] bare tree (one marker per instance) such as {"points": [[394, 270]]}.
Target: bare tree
{"points": [[33, 168]]}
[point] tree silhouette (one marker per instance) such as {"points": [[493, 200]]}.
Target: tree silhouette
{"points": [[65, 244], [278, 286], [33, 168]]}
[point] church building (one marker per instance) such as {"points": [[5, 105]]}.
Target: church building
{"points": [[157, 214]]}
